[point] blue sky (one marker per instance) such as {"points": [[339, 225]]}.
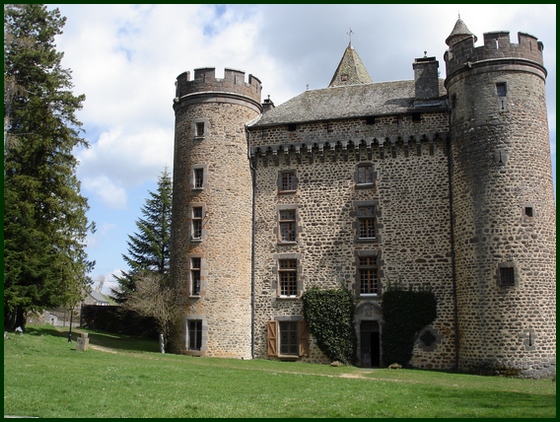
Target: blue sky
{"points": [[125, 59]]}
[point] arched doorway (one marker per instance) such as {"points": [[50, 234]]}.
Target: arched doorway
{"points": [[370, 346]]}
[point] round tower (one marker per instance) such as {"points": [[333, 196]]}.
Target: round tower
{"points": [[211, 240], [503, 203]]}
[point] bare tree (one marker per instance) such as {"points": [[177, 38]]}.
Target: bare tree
{"points": [[155, 298]]}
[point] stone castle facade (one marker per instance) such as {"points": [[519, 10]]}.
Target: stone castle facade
{"points": [[445, 184]]}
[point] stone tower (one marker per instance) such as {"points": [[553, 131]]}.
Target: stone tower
{"points": [[503, 202], [211, 243]]}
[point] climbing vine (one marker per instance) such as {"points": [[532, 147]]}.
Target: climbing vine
{"points": [[329, 315], [405, 313]]}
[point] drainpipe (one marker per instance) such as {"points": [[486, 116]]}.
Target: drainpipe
{"points": [[254, 186], [452, 238]]}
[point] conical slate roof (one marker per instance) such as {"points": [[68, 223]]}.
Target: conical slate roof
{"points": [[460, 32], [350, 70]]}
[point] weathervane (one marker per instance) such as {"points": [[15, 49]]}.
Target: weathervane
{"points": [[350, 32]]}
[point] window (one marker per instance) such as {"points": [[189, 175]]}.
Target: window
{"points": [[364, 174], [197, 223], [416, 117], [198, 178], [501, 89], [292, 127], [370, 120], [344, 77], [288, 225], [287, 273], [287, 181], [367, 270], [195, 334], [195, 276], [199, 130], [507, 276], [366, 222], [528, 211], [288, 339]]}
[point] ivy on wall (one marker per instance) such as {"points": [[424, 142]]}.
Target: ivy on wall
{"points": [[329, 315], [405, 313]]}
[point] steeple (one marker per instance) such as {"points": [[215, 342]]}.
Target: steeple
{"points": [[350, 70], [459, 33]]}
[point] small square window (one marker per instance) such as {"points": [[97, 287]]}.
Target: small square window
{"points": [[292, 128], [344, 77], [370, 120], [364, 174], [195, 276], [501, 89], [197, 223], [287, 273], [195, 334], [288, 225], [367, 270], [288, 181], [288, 338], [416, 117], [507, 276], [198, 178], [366, 222], [199, 129], [529, 212]]}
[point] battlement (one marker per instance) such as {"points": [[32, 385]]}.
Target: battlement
{"points": [[205, 81], [496, 46]]}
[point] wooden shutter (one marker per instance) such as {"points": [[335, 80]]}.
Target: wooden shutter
{"points": [[272, 338], [303, 340]]}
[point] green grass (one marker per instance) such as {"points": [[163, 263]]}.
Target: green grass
{"points": [[45, 376]]}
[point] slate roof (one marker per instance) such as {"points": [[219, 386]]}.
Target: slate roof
{"points": [[375, 99], [350, 70], [459, 32]]}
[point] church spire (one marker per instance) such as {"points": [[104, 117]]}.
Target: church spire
{"points": [[350, 70]]}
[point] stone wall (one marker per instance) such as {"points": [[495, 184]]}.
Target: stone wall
{"points": [[411, 195], [223, 304], [504, 212]]}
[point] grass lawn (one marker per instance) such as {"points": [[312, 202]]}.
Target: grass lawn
{"points": [[45, 376]]}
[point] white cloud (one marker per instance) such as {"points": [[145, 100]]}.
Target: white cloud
{"points": [[111, 195]]}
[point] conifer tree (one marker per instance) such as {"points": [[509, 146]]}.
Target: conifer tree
{"points": [[45, 223], [148, 248]]}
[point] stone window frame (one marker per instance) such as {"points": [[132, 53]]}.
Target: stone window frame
{"points": [[202, 218], [502, 90], [281, 179], [202, 272], [279, 221], [200, 128], [357, 223], [194, 170], [357, 176], [277, 283], [201, 329], [507, 271], [274, 337], [528, 213], [366, 253]]}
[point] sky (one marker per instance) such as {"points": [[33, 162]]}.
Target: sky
{"points": [[126, 58]]}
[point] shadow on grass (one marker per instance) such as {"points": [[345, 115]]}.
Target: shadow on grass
{"points": [[99, 338]]}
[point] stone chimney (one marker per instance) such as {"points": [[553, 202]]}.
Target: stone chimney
{"points": [[426, 78]]}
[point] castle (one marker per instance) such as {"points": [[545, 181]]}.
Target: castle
{"points": [[445, 184]]}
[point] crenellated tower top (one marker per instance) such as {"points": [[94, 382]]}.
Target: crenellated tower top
{"points": [[463, 54], [232, 87]]}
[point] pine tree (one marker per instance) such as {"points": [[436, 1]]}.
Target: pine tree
{"points": [[45, 223], [148, 248]]}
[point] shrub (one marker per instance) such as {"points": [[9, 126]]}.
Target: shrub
{"points": [[405, 313], [329, 315]]}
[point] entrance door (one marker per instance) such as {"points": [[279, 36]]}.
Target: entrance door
{"points": [[369, 344]]}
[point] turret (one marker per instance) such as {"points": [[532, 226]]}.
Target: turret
{"points": [[211, 240], [503, 203]]}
